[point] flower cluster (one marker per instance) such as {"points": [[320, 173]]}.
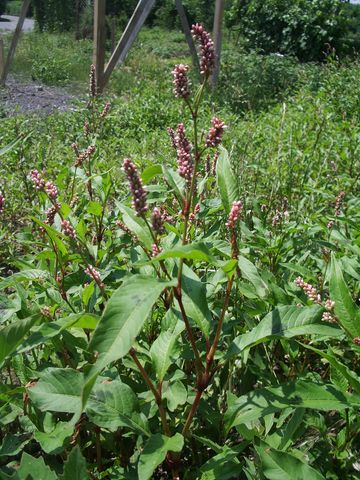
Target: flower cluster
{"points": [[309, 290], [37, 180], [136, 187], [183, 152], [234, 215], [207, 52], [127, 230], [51, 190], [92, 81], [181, 81], [338, 203], [68, 229], [2, 202], [157, 221], [106, 110], [216, 132], [84, 155], [94, 274], [155, 250], [50, 214]]}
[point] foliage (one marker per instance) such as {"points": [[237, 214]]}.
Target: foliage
{"points": [[302, 28], [100, 372], [3, 4]]}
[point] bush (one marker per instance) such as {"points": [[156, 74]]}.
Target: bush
{"points": [[304, 28], [2, 6]]}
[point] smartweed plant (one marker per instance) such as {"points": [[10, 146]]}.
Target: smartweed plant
{"points": [[129, 357]]}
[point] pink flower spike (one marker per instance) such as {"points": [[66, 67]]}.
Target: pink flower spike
{"points": [[37, 180], [181, 81], [234, 215], [2, 202], [68, 229], [138, 192], [216, 132], [207, 51]]}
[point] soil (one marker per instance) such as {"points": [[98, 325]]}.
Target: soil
{"points": [[21, 97]]}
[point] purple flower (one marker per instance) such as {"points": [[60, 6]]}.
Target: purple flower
{"points": [[105, 110], [92, 81], [207, 52], [181, 81], [51, 190], [136, 187], [68, 229], [183, 152], [157, 221], [2, 202], [234, 215], [216, 132], [38, 181], [82, 156]]}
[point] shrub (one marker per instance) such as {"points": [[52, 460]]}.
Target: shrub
{"points": [[302, 27], [2, 6]]}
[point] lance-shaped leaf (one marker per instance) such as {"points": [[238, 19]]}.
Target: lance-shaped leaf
{"points": [[124, 315], [58, 390], [137, 225], [112, 405], [194, 299], [75, 466], [13, 334], [278, 465], [345, 308], [164, 348], [155, 452], [343, 370], [226, 180], [193, 251], [249, 271], [285, 322], [175, 182], [296, 394]]}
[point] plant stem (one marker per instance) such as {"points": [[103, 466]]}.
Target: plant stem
{"points": [[155, 392]]}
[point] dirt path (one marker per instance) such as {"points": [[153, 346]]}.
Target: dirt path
{"points": [[8, 23], [21, 97]]}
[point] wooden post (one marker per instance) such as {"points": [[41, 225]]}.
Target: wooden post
{"points": [[187, 32], [99, 43], [14, 41], [217, 33], [2, 57], [137, 20]]}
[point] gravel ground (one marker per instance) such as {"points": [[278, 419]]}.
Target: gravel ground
{"points": [[8, 23], [21, 97]]}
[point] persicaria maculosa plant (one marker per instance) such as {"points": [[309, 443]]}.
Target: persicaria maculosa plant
{"points": [[128, 355]]}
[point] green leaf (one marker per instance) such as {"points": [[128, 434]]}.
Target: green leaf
{"points": [[13, 334], [224, 465], [53, 235], [155, 452], [193, 251], [175, 182], [279, 465], [41, 334], [112, 405], [150, 172], [344, 371], [31, 275], [52, 442], [194, 300], [285, 322], [75, 466], [13, 444], [163, 349], [226, 180], [137, 225], [345, 308], [249, 271], [59, 390], [34, 469], [296, 394], [95, 208], [123, 317], [175, 394]]}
